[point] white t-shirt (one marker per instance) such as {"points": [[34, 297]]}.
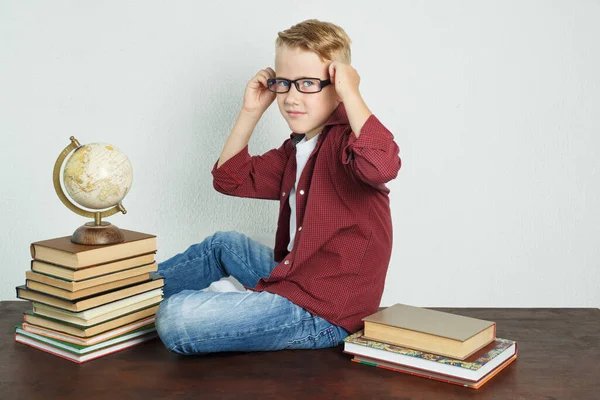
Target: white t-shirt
{"points": [[303, 150]]}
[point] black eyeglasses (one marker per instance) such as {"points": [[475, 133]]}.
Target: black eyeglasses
{"points": [[304, 85]]}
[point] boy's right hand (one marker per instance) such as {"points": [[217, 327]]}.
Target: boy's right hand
{"points": [[258, 97]]}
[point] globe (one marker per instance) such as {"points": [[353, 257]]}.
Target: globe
{"points": [[97, 176]]}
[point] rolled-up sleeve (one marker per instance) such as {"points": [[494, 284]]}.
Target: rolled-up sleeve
{"points": [[244, 175], [373, 157]]}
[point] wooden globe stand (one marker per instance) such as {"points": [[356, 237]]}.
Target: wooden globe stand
{"points": [[96, 232]]}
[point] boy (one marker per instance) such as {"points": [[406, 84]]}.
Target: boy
{"points": [[334, 233]]}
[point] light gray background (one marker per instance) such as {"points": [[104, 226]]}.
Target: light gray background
{"points": [[493, 104]]}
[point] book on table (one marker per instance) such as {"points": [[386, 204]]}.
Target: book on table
{"points": [[93, 271], [87, 331], [430, 331], [61, 251], [81, 353], [77, 319], [74, 286], [90, 301], [86, 303], [83, 348], [87, 292], [472, 372], [103, 310], [88, 341]]}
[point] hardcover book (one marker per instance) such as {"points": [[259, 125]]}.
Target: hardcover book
{"points": [[62, 251], [88, 331], [90, 340], [89, 302], [472, 370], [92, 271], [428, 330]]}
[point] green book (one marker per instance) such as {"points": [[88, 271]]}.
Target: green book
{"points": [[82, 349], [81, 354]]}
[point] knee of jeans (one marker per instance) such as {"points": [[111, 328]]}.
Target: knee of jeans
{"points": [[170, 321], [227, 236], [167, 330]]}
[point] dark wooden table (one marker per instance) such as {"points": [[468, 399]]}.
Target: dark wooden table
{"points": [[559, 358]]}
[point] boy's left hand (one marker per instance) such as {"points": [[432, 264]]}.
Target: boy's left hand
{"points": [[344, 78]]}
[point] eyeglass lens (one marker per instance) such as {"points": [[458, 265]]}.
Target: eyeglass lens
{"points": [[303, 85]]}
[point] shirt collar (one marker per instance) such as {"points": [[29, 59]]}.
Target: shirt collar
{"points": [[337, 117]]}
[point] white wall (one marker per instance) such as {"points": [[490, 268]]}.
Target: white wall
{"points": [[493, 104]]}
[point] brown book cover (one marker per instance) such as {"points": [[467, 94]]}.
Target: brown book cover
{"points": [[438, 323], [91, 340], [428, 330], [89, 302], [93, 271], [62, 251], [87, 292], [81, 331], [73, 286], [66, 316]]}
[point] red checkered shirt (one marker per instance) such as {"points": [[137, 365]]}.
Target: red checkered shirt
{"points": [[341, 251]]}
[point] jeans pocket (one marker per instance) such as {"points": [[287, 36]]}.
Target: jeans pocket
{"points": [[322, 339], [339, 335]]}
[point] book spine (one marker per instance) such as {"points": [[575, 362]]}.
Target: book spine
{"points": [[19, 295]]}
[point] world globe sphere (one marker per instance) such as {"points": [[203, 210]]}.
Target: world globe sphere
{"points": [[97, 176]]}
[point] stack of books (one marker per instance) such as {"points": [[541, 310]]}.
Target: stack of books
{"points": [[432, 344], [90, 301]]}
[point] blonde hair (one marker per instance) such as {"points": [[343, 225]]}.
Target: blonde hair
{"points": [[327, 40]]}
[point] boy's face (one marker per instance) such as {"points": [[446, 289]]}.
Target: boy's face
{"points": [[314, 108]]}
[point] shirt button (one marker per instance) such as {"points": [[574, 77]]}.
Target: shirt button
{"points": [[302, 192], [283, 194], [287, 262], [300, 228]]}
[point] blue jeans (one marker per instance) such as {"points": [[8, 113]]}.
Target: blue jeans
{"points": [[191, 321]]}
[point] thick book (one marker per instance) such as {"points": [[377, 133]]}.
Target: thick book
{"points": [[432, 375], [81, 358], [85, 349], [437, 332], [87, 292], [62, 251], [104, 309], [473, 369], [89, 302], [92, 271], [65, 337], [66, 316], [87, 331], [74, 286]]}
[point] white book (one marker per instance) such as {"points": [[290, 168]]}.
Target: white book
{"points": [[80, 349], [430, 365], [85, 357]]}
